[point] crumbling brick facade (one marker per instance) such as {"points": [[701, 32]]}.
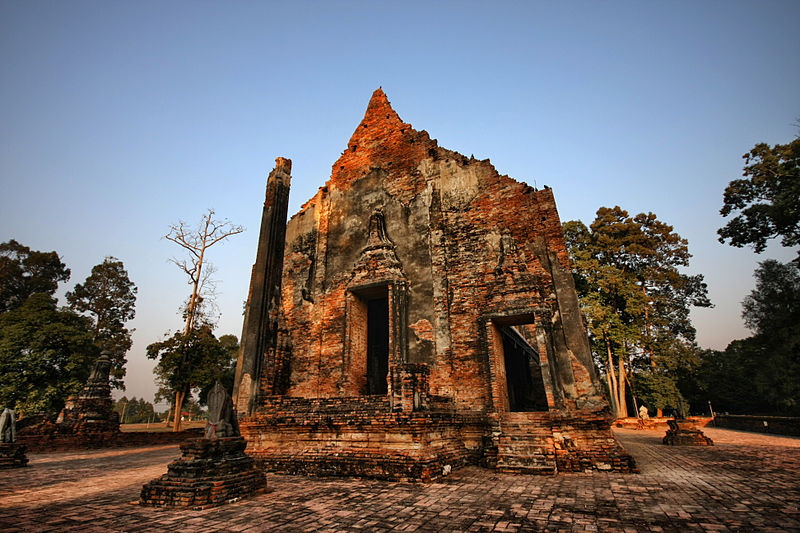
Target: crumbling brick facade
{"points": [[427, 317]]}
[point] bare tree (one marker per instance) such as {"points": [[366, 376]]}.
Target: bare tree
{"points": [[196, 240]]}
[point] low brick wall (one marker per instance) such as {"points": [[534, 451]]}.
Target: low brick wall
{"points": [[779, 425], [359, 436], [87, 441], [584, 442], [363, 436], [656, 423]]}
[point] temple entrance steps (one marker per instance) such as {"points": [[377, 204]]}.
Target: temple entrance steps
{"points": [[526, 444]]}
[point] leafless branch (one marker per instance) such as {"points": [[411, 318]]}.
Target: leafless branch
{"points": [[196, 240]]}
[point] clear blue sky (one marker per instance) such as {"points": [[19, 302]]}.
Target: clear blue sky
{"points": [[119, 118]]}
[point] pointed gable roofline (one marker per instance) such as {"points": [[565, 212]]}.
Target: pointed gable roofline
{"points": [[381, 140]]}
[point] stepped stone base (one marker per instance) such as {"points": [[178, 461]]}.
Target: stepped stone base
{"points": [[546, 443], [12, 455], [209, 473], [525, 444], [364, 437], [685, 433], [359, 436]]}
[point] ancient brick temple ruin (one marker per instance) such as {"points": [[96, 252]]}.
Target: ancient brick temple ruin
{"points": [[87, 420], [211, 471], [93, 410], [416, 315]]}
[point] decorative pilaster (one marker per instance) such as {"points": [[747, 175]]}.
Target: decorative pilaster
{"points": [[260, 330]]}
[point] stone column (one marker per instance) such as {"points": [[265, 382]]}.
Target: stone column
{"points": [[260, 330]]}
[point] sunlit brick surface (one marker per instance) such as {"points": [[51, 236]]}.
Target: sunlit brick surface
{"points": [[746, 482], [462, 256]]}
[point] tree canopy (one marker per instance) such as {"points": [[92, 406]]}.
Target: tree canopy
{"points": [[135, 411], [759, 374], [47, 352], [46, 355], [772, 311], [766, 202], [109, 297], [179, 360], [24, 272], [224, 373], [193, 361], [774, 305], [633, 294]]}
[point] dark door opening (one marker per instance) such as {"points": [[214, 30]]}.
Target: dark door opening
{"points": [[523, 375], [377, 345]]}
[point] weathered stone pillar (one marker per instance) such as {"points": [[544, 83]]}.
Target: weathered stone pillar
{"points": [[399, 320], [410, 387], [260, 330]]}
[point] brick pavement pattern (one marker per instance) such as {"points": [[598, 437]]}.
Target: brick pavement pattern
{"points": [[746, 482]]}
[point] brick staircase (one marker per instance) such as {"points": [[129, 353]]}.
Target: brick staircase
{"points": [[525, 443]]}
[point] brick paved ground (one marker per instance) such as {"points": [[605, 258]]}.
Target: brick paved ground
{"points": [[748, 482]]}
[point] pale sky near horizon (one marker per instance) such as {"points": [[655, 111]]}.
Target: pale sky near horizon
{"points": [[119, 118]]}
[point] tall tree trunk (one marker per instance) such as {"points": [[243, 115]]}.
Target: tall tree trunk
{"points": [[633, 395], [622, 402], [168, 418], [179, 397], [647, 328], [197, 277], [612, 378]]}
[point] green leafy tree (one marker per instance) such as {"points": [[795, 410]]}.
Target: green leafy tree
{"points": [[766, 202], [608, 295], [633, 295], [193, 409], [135, 411], [188, 362], [726, 379], [772, 311], [24, 272], [773, 307], [109, 297], [760, 374], [196, 242], [226, 373], [657, 391], [46, 354]]}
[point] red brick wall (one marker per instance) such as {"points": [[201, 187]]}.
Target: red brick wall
{"points": [[465, 250], [779, 425], [472, 244], [359, 436], [87, 441]]}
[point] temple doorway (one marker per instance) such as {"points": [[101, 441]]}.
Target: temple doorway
{"points": [[377, 345], [523, 373]]}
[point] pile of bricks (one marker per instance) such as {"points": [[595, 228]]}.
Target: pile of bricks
{"points": [[209, 473]]}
